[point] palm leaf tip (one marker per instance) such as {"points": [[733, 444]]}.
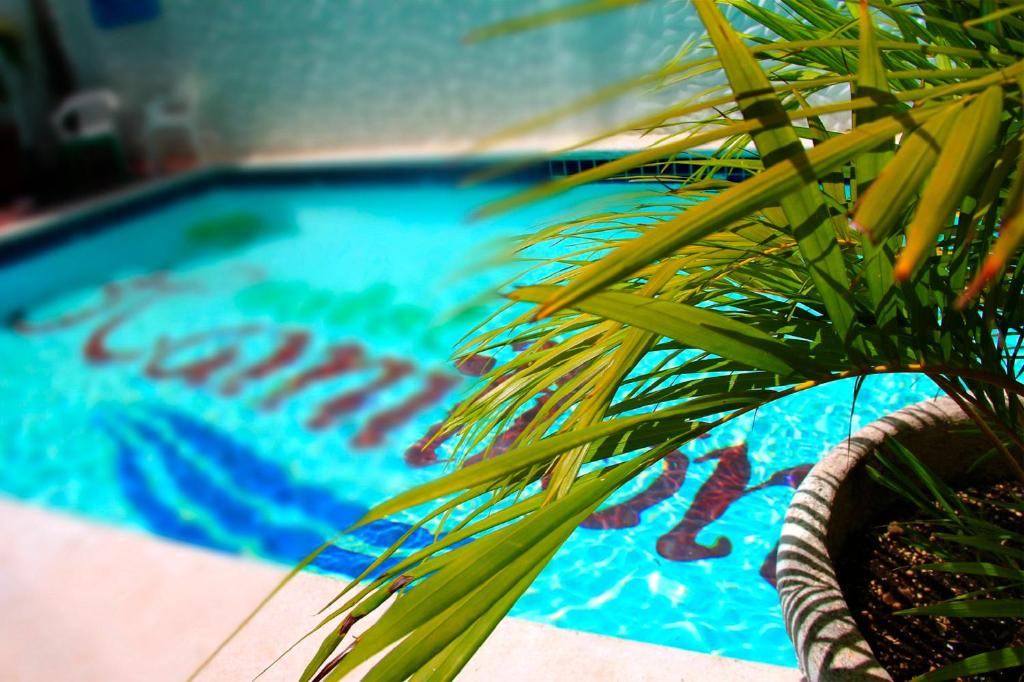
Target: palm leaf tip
{"points": [[993, 266], [960, 163]]}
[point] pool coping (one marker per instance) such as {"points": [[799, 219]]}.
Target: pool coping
{"points": [[51, 227], [85, 601], [42, 230]]}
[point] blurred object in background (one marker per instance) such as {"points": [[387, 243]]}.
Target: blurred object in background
{"points": [[90, 154], [115, 13], [87, 114], [13, 116], [14, 211], [172, 120], [34, 75]]}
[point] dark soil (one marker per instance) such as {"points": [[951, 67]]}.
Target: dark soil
{"points": [[879, 579]]}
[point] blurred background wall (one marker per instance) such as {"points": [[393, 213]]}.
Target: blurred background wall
{"points": [[285, 76], [300, 77]]}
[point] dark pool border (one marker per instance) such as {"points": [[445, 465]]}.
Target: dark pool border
{"points": [[91, 216], [66, 225]]}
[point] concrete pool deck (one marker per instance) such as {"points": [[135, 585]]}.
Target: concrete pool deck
{"points": [[87, 602]]}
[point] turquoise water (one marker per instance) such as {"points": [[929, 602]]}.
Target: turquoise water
{"points": [[247, 369]]}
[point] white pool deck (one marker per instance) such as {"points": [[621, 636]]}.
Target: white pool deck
{"points": [[83, 602]]}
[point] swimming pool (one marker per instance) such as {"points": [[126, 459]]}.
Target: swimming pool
{"points": [[250, 366]]}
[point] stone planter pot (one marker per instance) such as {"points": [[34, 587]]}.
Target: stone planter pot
{"points": [[836, 500]]}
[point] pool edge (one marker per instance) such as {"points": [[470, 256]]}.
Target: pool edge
{"points": [[74, 591], [63, 223]]}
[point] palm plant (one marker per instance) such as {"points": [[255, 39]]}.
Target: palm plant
{"points": [[964, 543], [846, 253]]}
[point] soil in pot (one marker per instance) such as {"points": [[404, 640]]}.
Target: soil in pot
{"points": [[878, 579]]}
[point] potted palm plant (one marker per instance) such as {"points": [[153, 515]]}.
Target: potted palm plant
{"points": [[888, 243], [875, 591]]}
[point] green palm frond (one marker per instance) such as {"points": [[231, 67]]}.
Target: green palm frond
{"points": [[639, 328]]}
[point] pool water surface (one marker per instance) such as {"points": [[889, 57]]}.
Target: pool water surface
{"points": [[251, 368]]}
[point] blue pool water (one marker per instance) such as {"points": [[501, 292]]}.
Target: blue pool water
{"points": [[245, 369]]}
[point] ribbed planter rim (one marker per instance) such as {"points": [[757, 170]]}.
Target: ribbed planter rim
{"points": [[828, 644]]}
